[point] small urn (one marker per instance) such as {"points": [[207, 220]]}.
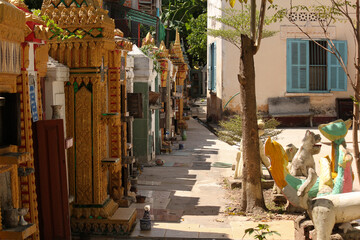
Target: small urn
{"points": [[145, 222], [56, 111], [22, 212]]}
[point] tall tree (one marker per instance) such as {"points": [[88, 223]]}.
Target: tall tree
{"points": [[328, 13], [247, 37], [196, 40], [181, 15]]}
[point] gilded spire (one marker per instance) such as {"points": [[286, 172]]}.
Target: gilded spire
{"points": [[177, 39], [163, 51], [148, 40]]}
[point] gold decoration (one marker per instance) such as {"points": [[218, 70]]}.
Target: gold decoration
{"points": [[94, 62], [148, 40], [12, 23], [69, 102], [118, 33], [83, 155], [41, 58]]}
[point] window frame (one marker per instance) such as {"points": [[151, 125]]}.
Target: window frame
{"points": [[290, 66]]}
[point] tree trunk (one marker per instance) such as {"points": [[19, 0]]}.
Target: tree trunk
{"points": [[355, 139], [252, 197], [357, 89]]}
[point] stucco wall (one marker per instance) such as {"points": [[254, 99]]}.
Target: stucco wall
{"points": [[214, 105], [270, 64]]}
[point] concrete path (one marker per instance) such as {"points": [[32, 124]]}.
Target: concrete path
{"points": [[186, 197]]}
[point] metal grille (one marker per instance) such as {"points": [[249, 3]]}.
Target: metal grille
{"points": [[317, 66]]}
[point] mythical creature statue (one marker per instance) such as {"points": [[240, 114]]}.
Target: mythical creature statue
{"points": [[303, 159], [264, 159], [323, 197]]}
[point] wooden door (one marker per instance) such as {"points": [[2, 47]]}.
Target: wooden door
{"points": [[51, 180]]}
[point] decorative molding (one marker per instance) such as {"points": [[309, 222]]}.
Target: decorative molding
{"points": [[291, 31], [84, 181], [10, 57]]}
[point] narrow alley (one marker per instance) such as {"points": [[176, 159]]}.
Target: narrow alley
{"points": [[186, 196]]}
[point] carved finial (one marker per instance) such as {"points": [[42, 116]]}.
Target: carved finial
{"points": [[177, 39], [118, 33], [20, 4], [148, 40], [162, 46]]}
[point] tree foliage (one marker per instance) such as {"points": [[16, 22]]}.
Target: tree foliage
{"points": [[197, 39], [175, 13], [232, 2], [183, 15], [238, 23], [153, 53]]}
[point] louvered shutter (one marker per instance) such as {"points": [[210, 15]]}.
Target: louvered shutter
{"points": [[297, 64], [337, 78], [214, 68], [210, 70]]}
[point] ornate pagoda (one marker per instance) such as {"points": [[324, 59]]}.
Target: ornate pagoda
{"points": [[94, 107], [23, 63], [177, 58]]}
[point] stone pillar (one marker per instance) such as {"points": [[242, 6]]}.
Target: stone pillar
{"points": [[57, 75]]}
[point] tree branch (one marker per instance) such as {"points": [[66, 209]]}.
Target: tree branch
{"points": [[302, 30], [253, 20], [261, 25], [347, 15]]}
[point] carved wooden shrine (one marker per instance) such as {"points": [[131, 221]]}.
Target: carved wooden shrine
{"points": [[177, 58], [95, 103], [23, 63], [165, 86]]}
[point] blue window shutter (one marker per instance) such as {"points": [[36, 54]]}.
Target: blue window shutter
{"points": [[337, 78], [210, 68], [214, 68], [297, 64]]}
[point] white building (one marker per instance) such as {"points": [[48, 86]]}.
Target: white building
{"points": [[287, 65]]}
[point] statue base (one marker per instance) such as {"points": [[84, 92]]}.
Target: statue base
{"points": [[120, 223]]}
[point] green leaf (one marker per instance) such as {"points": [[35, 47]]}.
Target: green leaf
{"points": [[249, 231]]}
